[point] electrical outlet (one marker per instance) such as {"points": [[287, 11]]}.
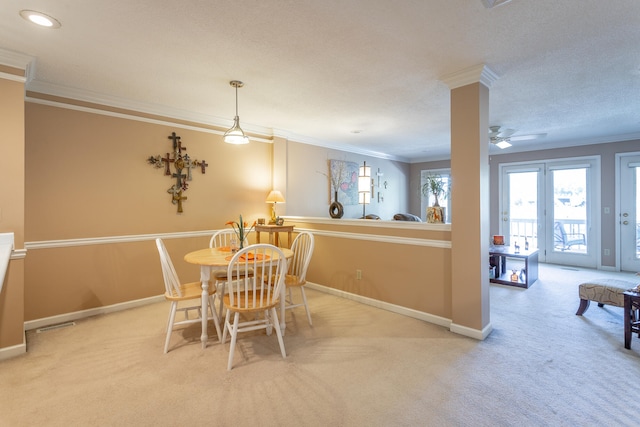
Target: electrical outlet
{"points": [[359, 274], [607, 252]]}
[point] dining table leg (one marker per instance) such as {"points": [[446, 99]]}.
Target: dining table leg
{"points": [[205, 273]]}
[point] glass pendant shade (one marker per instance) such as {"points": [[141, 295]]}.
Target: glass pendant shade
{"points": [[235, 135]]}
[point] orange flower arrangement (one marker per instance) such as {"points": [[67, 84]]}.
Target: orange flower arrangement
{"points": [[240, 227]]}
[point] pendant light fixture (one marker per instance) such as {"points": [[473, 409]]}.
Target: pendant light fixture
{"points": [[235, 135]]}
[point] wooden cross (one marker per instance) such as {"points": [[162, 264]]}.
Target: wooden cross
{"points": [[176, 196], [176, 139], [167, 164], [203, 164]]}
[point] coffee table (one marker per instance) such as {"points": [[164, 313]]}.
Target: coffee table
{"points": [[499, 255]]}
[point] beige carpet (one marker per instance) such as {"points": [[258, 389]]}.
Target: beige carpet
{"points": [[357, 366]]}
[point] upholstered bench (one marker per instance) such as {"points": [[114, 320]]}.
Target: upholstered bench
{"points": [[603, 291]]}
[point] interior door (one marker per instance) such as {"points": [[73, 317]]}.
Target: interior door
{"points": [[629, 211]]}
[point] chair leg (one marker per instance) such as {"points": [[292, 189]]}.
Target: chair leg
{"points": [[172, 316], [225, 327], [214, 316], [306, 306], [234, 336], [276, 326], [584, 304], [220, 292]]}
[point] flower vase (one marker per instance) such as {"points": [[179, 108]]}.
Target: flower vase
{"points": [[336, 210], [435, 215]]}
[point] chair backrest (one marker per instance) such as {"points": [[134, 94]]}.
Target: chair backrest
{"points": [[171, 280], [302, 248], [223, 238], [261, 268], [559, 234]]}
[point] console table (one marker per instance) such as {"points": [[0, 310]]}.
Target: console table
{"points": [[498, 256], [274, 231]]}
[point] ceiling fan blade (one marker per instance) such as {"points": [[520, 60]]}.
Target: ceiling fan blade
{"points": [[494, 131], [506, 133], [528, 137]]}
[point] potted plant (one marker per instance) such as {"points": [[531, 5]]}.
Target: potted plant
{"points": [[437, 186]]}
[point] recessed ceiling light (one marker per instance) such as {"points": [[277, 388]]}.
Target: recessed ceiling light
{"points": [[356, 131], [40, 18]]}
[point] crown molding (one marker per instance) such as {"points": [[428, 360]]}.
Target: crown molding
{"points": [[20, 61], [141, 107], [336, 146], [478, 73], [264, 134]]}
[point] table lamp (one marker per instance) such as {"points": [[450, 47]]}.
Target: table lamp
{"points": [[274, 197]]}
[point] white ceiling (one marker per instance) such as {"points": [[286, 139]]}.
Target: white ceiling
{"points": [[316, 71]]}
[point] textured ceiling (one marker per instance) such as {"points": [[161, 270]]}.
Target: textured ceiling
{"points": [[316, 71]]}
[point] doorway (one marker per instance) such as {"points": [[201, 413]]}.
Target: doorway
{"points": [[551, 206]]}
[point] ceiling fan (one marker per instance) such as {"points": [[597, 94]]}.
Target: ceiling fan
{"points": [[503, 137]]}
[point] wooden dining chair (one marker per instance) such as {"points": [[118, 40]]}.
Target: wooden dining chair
{"points": [[297, 273], [252, 298], [177, 292], [222, 239]]}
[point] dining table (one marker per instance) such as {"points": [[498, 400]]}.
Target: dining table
{"points": [[210, 259]]}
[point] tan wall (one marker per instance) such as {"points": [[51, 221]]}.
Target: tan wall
{"points": [[407, 273], [87, 178], [12, 207]]}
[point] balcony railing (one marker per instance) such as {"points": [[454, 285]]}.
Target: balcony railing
{"points": [[527, 230]]}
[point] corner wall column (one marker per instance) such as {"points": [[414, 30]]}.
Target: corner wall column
{"points": [[14, 70], [470, 200]]}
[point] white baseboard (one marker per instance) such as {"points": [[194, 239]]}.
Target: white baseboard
{"points": [[420, 315], [437, 320], [471, 333], [68, 317], [13, 351]]}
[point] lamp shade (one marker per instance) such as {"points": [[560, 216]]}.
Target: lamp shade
{"points": [[275, 197], [364, 184], [235, 135]]}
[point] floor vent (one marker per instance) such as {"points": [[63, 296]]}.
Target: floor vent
{"points": [[569, 268], [58, 326]]}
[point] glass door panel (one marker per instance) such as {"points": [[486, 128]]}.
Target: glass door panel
{"points": [[629, 224], [520, 207], [570, 213], [523, 209], [570, 210]]}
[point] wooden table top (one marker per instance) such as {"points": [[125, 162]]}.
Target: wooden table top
{"points": [[215, 257]]}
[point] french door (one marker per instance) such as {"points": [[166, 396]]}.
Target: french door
{"points": [[552, 206], [521, 207], [629, 212]]}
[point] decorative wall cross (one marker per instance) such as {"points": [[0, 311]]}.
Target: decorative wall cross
{"points": [[180, 162]]}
